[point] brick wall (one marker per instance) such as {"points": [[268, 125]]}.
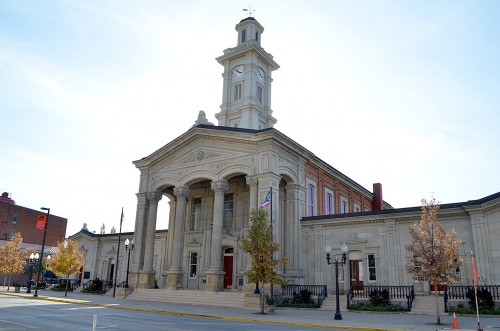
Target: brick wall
{"points": [[26, 225]]}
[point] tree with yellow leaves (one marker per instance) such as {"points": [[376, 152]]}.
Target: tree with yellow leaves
{"points": [[434, 252], [12, 258], [67, 261], [259, 244]]}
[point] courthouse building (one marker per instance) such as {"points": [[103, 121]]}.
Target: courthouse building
{"points": [[215, 175]]}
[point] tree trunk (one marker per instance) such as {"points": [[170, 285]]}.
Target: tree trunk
{"points": [[8, 284], [67, 283], [436, 290]]}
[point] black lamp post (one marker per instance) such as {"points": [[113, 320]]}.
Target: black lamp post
{"points": [[127, 243], [43, 247], [32, 260], [328, 251]]}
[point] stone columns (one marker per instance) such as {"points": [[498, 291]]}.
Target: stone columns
{"points": [[146, 275], [252, 182], [215, 273], [174, 274]]}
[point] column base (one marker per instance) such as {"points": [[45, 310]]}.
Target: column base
{"points": [[215, 281], [174, 280], [142, 279]]}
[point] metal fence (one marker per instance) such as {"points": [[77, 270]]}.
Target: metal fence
{"points": [[395, 292]]}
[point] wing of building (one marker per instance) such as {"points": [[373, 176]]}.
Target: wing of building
{"points": [[215, 175]]}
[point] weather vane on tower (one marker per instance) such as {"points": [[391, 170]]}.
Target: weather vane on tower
{"points": [[249, 10]]}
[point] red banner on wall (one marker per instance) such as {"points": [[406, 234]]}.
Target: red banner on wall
{"points": [[40, 222]]}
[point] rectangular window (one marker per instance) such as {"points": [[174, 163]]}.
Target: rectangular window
{"points": [[243, 35], [12, 233], [344, 206], [14, 219], [193, 264], [195, 215], [259, 93], [310, 200], [329, 206], [256, 36], [357, 208], [372, 271], [237, 92], [228, 210]]}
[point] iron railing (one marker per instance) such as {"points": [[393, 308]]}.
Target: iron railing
{"points": [[289, 291], [395, 292], [459, 292]]}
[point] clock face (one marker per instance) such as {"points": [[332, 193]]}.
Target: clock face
{"points": [[238, 72], [260, 74]]}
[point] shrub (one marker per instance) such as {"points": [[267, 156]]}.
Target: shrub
{"points": [[484, 298], [370, 307], [304, 296], [379, 298], [97, 286]]}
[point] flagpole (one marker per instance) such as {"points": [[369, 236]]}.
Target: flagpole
{"points": [[118, 253], [476, 281]]}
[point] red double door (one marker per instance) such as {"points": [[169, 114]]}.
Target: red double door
{"points": [[356, 272], [228, 269]]}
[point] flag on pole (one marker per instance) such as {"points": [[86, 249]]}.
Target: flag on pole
{"points": [[474, 272], [267, 200]]}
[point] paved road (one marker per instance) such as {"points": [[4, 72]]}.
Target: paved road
{"points": [[31, 314], [80, 308]]}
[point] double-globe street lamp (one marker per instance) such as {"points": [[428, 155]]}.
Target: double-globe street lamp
{"points": [[43, 247], [31, 261], [128, 249], [328, 251]]}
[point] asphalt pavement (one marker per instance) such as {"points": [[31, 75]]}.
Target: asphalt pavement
{"points": [[284, 316]]}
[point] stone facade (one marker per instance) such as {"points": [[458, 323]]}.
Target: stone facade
{"points": [[381, 237], [214, 176]]}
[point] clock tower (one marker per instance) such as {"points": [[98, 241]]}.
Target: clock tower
{"points": [[246, 96]]}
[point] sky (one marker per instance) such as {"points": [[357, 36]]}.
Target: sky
{"points": [[402, 93]]}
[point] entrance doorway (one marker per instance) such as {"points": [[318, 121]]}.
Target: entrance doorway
{"points": [[228, 268], [356, 272]]}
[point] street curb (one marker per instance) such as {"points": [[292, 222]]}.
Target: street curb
{"points": [[225, 318]]}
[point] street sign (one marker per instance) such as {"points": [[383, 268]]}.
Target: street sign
{"points": [[40, 222]]}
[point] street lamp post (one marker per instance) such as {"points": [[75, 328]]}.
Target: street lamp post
{"points": [[43, 247], [328, 251], [261, 260], [32, 260], [127, 243]]}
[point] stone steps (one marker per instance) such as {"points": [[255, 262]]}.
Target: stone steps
{"points": [[426, 305], [330, 303], [201, 298]]}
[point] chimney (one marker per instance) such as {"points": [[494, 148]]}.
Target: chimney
{"points": [[377, 197]]}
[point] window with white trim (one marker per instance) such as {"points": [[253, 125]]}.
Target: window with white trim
{"points": [[357, 207], [193, 264], [243, 36], [228, 210], [372, 271], [344, 205], [259, 93], [310, 200], [195, 222], [329, 205], [237, 92]]}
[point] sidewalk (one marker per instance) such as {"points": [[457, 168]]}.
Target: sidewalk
{"points": [[298, 317]]}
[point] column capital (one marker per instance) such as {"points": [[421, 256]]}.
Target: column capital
{"points": [[219, 187], [154, 197], [181, 192], [252, 181], [141, 198]]}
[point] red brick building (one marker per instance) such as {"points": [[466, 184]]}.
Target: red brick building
{"points": [[15, 218]]}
